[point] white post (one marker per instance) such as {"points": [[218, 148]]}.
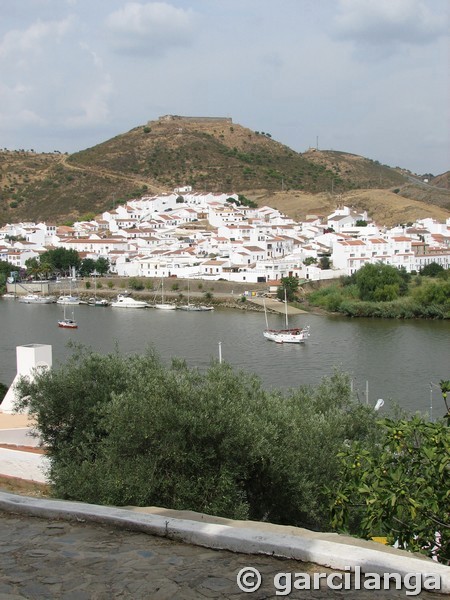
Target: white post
{"points": [[367, 392], [28, 358], [431, 402], [220, 352]]}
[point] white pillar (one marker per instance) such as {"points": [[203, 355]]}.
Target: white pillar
{"points": [[28, 358]]}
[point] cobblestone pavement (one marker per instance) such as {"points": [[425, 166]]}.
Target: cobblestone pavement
{"points": [[52, 559]]}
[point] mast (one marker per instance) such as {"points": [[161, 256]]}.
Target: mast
{"points": [[285, 308], [265, 313]]}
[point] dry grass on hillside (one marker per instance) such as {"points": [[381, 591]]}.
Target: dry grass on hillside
{"points": [[385, 207]]}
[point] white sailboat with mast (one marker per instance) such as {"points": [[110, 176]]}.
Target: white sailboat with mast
{"points": [[66, 322], [164, 305], [94, 301], [194, 307], [289, 335]]}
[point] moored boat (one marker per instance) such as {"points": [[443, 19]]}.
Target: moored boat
{"points": [[196, 307], [288, 335], [164, 305], [68, 324], [68, 299], [295, 335], [37, 299], [98, 302], [128, 302]]}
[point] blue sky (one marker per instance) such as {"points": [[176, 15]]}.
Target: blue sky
{"points": [[371, 77]]}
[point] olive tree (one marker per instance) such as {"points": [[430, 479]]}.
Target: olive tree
{"points": [[131, 431]]}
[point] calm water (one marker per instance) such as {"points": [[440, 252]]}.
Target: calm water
{"points": [[398, 359]]}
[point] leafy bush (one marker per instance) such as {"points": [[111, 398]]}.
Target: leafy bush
{"points": [[400, 489], [136, 284], [127, 430], [431, 270], [380, 282]]}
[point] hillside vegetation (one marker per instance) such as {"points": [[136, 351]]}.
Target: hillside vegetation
{"points": [[210, 155]]}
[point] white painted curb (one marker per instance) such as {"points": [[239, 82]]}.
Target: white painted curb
{"points": [[243, 540]]}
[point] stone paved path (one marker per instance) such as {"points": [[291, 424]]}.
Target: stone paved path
{"points": [[50, 559]]}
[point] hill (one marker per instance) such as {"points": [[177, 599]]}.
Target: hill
{"points": [[206, 153]]}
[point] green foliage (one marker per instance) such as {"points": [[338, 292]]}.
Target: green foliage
{"points": [[432, 270], [399, 489], [310, 260], [88, 285], [445, 389], [90, 216], [3, 389], [6, 268], [87, 267], [61, 260], [102, 265], [136, 284], [128, 430], [247, 202], [325, 263], [434, 293], [380, 282], [288, 285]]}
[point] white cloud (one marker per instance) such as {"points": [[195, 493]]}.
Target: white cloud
{"points": [[150, 29], [389, 22], [94, 106], [30, 41], [71, 75]]}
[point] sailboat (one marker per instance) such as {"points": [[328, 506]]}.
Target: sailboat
{"points": [[164, 305], [97, 301], [68, 298], [194, 307], [66, 322], [289, 335]]}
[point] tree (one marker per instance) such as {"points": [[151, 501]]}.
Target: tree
{"points": [[6, 268], [325, 263], [379, 282], [61, 260], [33, 266], [128, 430], [290, 284], [87, 267], [431, 270], [310, 260], [102, 265], [399, 490]]}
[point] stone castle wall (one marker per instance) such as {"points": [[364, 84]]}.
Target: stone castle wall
{"points": [[196, 119]]}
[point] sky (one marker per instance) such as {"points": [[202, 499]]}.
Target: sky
{"points": [[370, 77]]}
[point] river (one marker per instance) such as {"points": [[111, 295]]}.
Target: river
{"points": [[401, 361]]}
